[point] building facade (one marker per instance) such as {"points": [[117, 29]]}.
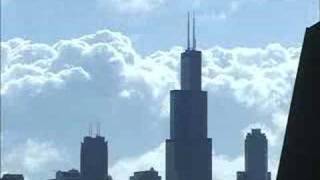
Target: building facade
{"points": [[146, 175], [12, 177], [256, 157], [94, 158], [72, 174], [189, 150]]}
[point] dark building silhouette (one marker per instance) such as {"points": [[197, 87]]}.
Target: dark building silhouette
{"points": [[68, 175], [300, 158], [146, 175], [189, 151], [256, 157], [94, 158], [12, 177]]}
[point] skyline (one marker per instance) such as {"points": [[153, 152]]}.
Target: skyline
{"points": [[112, 71], [54, 148], [254, 139]]}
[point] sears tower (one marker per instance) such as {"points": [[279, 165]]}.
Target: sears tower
{"points": [[188, 151]]}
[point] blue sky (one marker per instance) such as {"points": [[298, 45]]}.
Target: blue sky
{"points": [[66, 64], [228, 23]]}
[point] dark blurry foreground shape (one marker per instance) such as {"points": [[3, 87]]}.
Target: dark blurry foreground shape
{"points": [[300, 158]]}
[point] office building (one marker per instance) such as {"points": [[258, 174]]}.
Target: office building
{"points": [[256, 157], [146, 175], [12, 177], [68, 175]]}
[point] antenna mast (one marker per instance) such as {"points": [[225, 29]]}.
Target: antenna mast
{"points": [[188, 35], [98, 128], [90, 129], [194, 32]]}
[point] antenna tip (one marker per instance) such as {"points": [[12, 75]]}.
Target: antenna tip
{"points": [[188, 32], [194, 46]]}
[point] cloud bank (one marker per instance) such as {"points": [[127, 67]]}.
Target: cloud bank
{"points": [[101, 76]]}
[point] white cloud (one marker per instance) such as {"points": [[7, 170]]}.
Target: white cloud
{"points": [[31, 157], [225, 168], [257, 77], [225, 10], [131, 7]]}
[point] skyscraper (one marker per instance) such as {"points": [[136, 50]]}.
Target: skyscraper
{"points": [[188, 151], [146, 175], [256, 157], [94, 158], [300, 158]]}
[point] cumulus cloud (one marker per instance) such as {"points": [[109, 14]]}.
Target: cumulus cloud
{"points": [[130, 7], [31, 157], [101, 75], [26, 66], [257, 76], [225, 168]]}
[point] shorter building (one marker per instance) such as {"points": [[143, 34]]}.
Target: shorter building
{"points": [[241, 175], [256, 157], [146, 175], [12, 177], [72, 174]]}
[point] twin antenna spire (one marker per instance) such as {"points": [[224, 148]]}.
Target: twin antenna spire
{"points": [[98, 129], [194, 41]]}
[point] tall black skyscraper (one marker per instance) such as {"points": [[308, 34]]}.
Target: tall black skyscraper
{"points": [[300, 158], [256, 157], [94, 158], [188, 151]]}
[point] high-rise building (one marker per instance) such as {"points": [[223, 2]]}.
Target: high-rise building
{"points": [[189, 150], [146, 175], [94, 158], [300, 158], [12, 177], [256, 157], [68, 175]]}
